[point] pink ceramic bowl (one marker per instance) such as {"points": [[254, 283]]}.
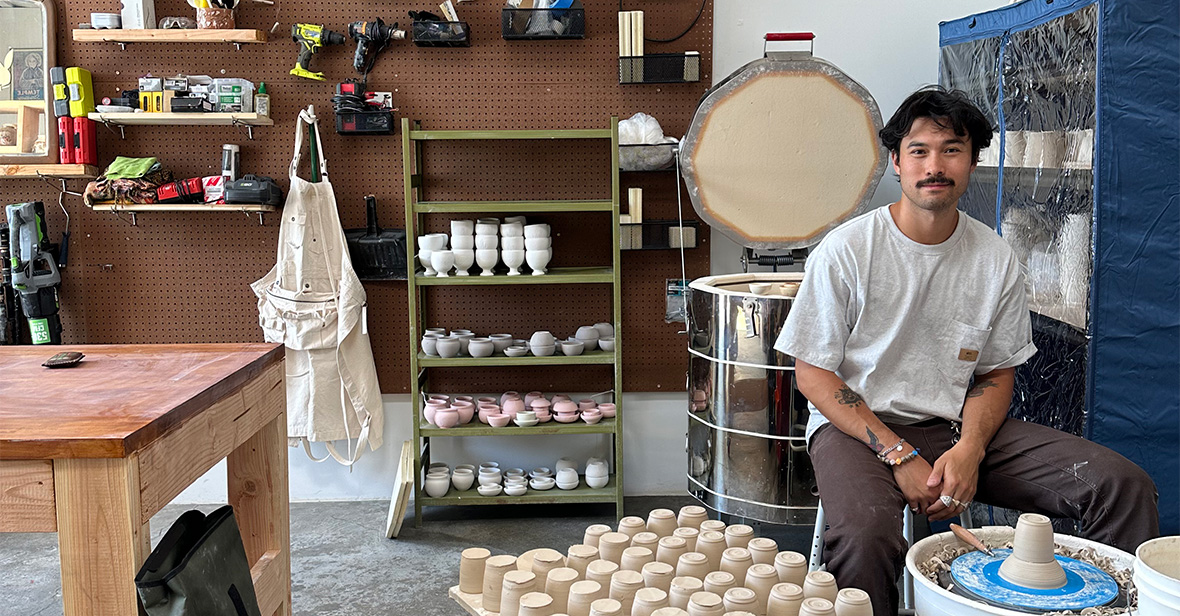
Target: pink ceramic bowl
{"points": [[513, 406], [507, 395], [544, 417], [591, 417], [499, 420], [489, 400], [586, 404], [486, 410], [567, 418], [608, 409], [447, 418], [466, 411], [540, 405], [565, 406]]}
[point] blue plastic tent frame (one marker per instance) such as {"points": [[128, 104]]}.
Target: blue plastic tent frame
{"points": [[1134, 400]]}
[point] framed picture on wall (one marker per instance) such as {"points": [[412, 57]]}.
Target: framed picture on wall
{"points": [[27, 70]]}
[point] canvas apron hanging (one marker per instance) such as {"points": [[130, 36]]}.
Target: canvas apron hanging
{"points": [[313, 303]]}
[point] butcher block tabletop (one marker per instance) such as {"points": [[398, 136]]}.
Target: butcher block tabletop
{"points": [[119, 399]]}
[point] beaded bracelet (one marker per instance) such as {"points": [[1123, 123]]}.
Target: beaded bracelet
{"points": [[902, 460], [885, 452]]}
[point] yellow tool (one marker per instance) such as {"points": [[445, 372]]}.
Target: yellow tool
{"points": [[310, 38]]}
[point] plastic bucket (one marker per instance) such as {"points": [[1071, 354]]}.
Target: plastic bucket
{"points": [[1157, 576], [930, 599]]}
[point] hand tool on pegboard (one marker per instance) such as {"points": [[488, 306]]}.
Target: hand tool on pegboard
{"points": [[371, 36], [311, 38], [34, 270], [376, 253]]}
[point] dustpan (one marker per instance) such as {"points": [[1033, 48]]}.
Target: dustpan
{"points": [[376, 253]]}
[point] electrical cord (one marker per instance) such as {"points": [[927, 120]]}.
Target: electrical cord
{"points": [[692, 25], [349, 103]]}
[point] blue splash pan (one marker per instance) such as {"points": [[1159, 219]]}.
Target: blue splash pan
{"points": [[978, 576]]}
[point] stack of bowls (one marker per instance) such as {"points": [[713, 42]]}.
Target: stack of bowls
{"points": [[463, 245], [438, 480], [487, 243], [427, 244], [567, 479], [588, 335], [597, 473], [515, 484], [538, 247]]}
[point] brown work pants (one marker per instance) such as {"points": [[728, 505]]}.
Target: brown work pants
{"points": [[1027, 467]]}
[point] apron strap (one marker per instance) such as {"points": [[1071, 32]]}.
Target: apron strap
{"points": [[307, 116], [362, 443]]}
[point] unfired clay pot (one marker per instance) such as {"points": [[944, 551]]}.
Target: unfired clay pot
{"points": [[682, 590], [1032, 564]]}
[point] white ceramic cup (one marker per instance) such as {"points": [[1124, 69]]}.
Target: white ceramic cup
{"points": [[514, 243], [486, 242], [537, 230], [462, 227], [538, 243], [463, 242], [510, 229]]}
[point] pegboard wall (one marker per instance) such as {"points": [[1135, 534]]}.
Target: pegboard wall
{"points": [[184, 277]]}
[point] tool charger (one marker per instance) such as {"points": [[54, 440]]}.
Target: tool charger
{"points": [[364, 122]]}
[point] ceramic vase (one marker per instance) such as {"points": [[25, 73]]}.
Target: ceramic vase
{"points": [[741, 600], [634, 558], [717, 582], [581, 595], [471, 566], [537, 260], [670, 548], [463, 479], [442, 261], [682, 589], [611, 546], [791, 567], [429, 341], [512, 258], [493, 579], [738, 535], [705, 604], [1032, 564], [692, 564], [853, 602], [486, 259], [820, 584], [557, 585], [606, 607], [601, 571], [448, 347], [658, 575], [662, 522], [464, 259], [815, 606], [690, 515], [648, 600], [579, 556], [785, 599], [689, 535], [762, 550], [761, 578], [592, 534], [536, 604], [711, 543], [516, 585]]}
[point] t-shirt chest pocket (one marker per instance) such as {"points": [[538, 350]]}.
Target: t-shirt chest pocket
{"points": [[957, 350]]}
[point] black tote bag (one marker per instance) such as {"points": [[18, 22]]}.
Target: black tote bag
{"points": [[199, 568]]}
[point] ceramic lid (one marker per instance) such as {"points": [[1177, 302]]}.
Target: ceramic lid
{"points": [[782, 151]]}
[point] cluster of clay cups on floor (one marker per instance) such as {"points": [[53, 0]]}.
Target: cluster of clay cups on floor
{"points": [[667, 565], [534, 407], [490, 480], [586, 338]]}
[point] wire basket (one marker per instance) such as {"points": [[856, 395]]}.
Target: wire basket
{"points": [[543, 24], [660, 68], [441, 34]]}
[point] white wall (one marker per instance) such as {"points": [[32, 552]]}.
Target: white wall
{"points": [[891, 48]]}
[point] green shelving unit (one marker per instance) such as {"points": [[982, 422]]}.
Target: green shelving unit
{"points": [[417, 207]]}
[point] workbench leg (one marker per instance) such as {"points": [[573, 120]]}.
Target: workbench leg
{"points": [[257, 477], [99, 534]]}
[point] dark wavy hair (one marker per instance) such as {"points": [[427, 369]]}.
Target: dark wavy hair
{"points": [[948, 108]]}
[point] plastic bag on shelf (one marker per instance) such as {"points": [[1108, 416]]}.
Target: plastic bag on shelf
{"points": [[643, 130]]}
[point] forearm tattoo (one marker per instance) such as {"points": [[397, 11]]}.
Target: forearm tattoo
{"points": [[874, 443], [847, 397], [980, 387]]}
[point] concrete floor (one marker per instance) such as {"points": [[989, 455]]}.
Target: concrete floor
{"points": [[342, 564]]}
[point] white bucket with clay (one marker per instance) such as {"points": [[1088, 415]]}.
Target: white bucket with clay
{"points": [[1157, 576], [930, 599]]}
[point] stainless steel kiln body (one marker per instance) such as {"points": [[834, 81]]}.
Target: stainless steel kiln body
{"points": [[746, 445]]}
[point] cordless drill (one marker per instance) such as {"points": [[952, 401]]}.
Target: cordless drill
{"points": [[371, 35], [310, 38], [34, 271]]}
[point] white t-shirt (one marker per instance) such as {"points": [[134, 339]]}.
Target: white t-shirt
{"points": [[906, 325]]}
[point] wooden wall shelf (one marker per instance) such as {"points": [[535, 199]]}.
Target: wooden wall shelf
{"points": [[123, 37], [65, 172], [182, 119], [111, 206]]}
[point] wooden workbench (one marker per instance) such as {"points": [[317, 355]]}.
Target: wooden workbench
{"points": [[92, 452]]}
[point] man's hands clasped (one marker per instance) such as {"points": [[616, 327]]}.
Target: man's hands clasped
{"points": [[953, 481]]}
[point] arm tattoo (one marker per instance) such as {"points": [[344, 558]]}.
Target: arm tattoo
{"points": [[874, 443], [847, 397], [979, 388]]}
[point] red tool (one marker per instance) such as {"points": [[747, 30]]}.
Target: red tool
{"points": [[85, 139], [65, 139]]}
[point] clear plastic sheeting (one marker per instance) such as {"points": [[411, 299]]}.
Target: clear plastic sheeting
{"points": [[1034, 185]]}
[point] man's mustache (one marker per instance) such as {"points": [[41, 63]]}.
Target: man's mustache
{"points": [[938, 179]]}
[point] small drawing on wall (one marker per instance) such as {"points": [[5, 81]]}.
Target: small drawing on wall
{"points": [[26, 73]]}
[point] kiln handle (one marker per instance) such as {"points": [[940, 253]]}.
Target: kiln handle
{"points": [[789, 36]]}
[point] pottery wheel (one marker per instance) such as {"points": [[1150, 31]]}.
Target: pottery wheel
{"points": [[978, 575]]}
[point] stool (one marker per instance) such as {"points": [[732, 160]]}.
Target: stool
{"points": [[907, 529]]}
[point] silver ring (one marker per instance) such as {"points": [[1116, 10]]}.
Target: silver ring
{"points": [[947, 500]]}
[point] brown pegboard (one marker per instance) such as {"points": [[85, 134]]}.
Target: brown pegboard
{"points": [[184, 277]]}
